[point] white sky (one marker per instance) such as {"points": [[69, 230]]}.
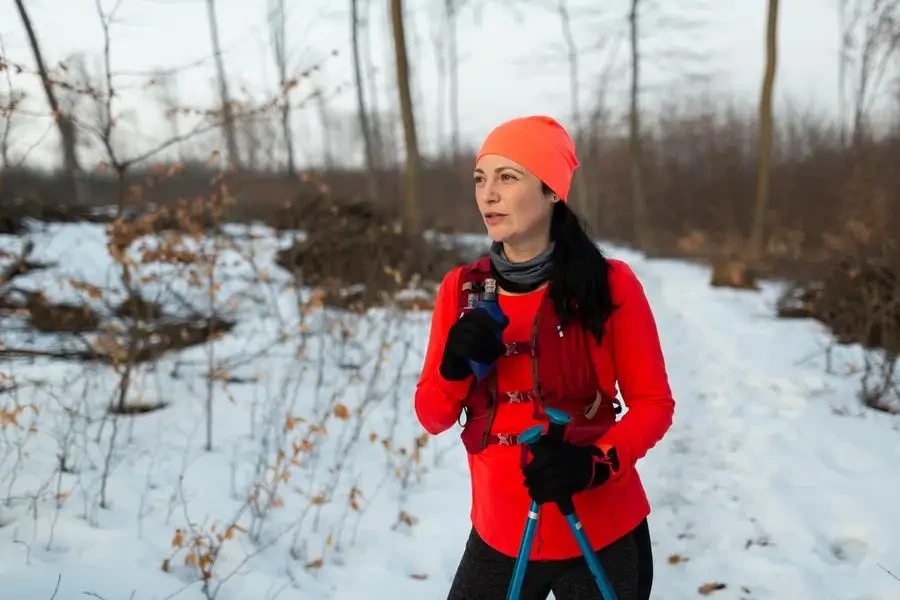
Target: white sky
{"points": [[511, 62]]}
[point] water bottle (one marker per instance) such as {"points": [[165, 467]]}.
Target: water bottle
{"points": [[489, 303]]}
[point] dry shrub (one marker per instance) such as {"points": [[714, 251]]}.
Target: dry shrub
{"points": [[171, 333], [733, 274], [18, 264], [358, 255], [60, 317], [856, 290], [139, 309], [157, 333], [859, 302], [858, 299], [49, 317], [40, 196]]}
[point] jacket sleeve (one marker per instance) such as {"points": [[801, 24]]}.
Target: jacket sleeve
{"points": [[438, 401], [640, 372]]}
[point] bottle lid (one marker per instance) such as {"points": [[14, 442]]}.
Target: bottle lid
{"points": [[490, 286]]}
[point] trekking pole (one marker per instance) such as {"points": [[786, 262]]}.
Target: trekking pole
{"points": [[558, 419], [531, 436]]}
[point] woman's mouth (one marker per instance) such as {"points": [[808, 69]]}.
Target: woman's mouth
{"points": [[492, 218]]}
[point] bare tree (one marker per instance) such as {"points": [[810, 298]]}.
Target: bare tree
{"points": [[412, 220], [439, 41], [279, 48], [166, 87], [764, 154], [639, 202], [571, 54], [375, 117], [368, 143], [843, 59], [8, 105], [327, 123], [565, 21], [63, 121], [870, 41], [228, 126], [451, 9], [579, 198]]}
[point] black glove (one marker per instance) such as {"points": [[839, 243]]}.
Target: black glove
{"points": [[474, 336], [559, 470]]}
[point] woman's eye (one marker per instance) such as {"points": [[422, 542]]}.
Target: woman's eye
{"points": [[507, 177]]}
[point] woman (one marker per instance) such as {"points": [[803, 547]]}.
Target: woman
{"points": [[576, 326]]}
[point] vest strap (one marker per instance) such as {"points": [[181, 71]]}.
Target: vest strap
{"points": [[504, 439], [522, 396], [514, 348], [591, 409]]}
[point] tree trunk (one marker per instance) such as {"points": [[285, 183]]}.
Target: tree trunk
{"points": [[641, 235], [328, 134], [279, 49], [375, 120], [453, 60], [412, 220], [64, 122], [231, 145], [764, 152], [368, 147], [578, 194], [441, 60], [843, 48]]}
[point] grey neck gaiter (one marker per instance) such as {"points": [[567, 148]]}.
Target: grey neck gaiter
{"points": [[527, 274]]}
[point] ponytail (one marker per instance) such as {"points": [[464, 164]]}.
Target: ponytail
{"points": [[580, 276]]}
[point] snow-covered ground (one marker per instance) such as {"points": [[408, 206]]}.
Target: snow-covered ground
{"points": [[773, 480]]}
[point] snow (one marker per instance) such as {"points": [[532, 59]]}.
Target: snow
{"points": [[773, 480]]}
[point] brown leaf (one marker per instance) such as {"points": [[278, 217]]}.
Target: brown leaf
{"points": [[708, 588], [419, 576], [316, 564], [675, 559], [341, 412], [407, 518], [178, 539]]}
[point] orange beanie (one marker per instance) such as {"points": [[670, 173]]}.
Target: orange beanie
{"points": [[541, 145]]}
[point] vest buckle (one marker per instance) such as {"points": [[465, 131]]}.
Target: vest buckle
{"points": [[507, 439]]}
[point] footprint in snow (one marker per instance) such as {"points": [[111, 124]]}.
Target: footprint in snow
{"points": [[848, 550], [680, 446]]}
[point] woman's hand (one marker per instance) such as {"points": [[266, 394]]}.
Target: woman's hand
{"points": [[474, 336], [560, 469]]}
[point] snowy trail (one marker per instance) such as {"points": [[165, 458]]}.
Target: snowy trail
{"points": [[759, 484], [773, 480]]}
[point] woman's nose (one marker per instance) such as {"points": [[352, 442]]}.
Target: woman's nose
{"points": [[490, 191]]}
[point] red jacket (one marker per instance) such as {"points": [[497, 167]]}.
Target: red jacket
{"points": [[630, 356]]}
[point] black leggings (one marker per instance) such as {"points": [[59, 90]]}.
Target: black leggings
{"points": [[484, 573]]}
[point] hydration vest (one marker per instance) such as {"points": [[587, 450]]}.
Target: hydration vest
{"points": [[562, 376]]}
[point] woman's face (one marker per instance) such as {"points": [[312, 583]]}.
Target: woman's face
{"points": [[512, 203]]}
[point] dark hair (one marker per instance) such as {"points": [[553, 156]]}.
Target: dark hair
{"points": [[580, 277]]}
